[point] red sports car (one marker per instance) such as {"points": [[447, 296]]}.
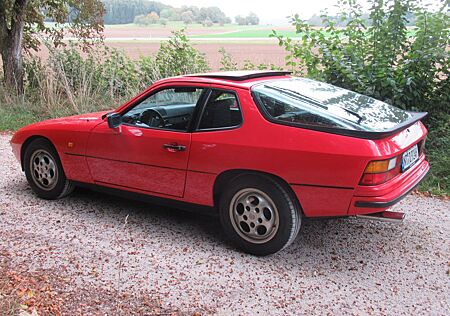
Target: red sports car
{"points": [[264, 149]]}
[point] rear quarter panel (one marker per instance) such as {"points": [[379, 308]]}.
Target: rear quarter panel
{"points": [[323, 169]]}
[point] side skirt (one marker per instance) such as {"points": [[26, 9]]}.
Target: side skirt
{"points": [[190, 207]]}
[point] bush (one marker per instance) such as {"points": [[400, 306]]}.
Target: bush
{"points": [[227, 63], [178, 57], [409, 68], [151, 18]]}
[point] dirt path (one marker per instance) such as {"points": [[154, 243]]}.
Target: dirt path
{"points": [[101, 244]]}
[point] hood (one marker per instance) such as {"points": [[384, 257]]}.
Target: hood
{"points": [[83, 117]]}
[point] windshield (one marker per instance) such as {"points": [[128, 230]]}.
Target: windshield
{"points": [[308, 102]]}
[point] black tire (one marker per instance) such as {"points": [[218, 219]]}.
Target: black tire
{"points": [[265, 191], [49, 182]]}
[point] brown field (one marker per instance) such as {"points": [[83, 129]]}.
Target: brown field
{"points": [[268, 53], [257, 53], [135, 42]]}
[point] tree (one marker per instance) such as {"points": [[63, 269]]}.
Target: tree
{"points": [[208, 22], [166, 13], [125, 11], [153, 17], [22, 23], [187, 17], [163, 21], [240, 20], [252, 19]]}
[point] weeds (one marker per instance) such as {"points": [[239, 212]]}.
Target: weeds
{"points": [[70, 82]]}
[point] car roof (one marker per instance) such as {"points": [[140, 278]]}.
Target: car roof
{"points": [[240, 79]]}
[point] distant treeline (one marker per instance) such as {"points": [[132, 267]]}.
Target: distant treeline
{"points": [[149, 12], [318, 20]]}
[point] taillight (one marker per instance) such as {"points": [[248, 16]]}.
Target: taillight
{"points": [[380, 171]]}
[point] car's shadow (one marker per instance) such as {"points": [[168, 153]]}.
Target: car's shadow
{"points": [[326, 243], [336, 239]]}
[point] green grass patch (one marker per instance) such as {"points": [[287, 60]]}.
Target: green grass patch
{"points": [[14, 117], [437, 149], [264, 33], [252, 33]]}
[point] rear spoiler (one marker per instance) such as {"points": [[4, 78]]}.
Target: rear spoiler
{"points": [[416, 116]]}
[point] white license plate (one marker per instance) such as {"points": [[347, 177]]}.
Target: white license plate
{"points": [[410, 157]]}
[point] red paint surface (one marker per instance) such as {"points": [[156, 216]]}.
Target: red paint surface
{"points": [[322, 169]]}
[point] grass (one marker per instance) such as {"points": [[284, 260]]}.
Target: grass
{"points": [[437, 149], [252, 33], [12, 118]]}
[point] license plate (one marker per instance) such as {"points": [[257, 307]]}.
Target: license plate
{"points": [[410, 157]]}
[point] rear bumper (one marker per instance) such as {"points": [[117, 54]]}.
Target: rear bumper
{"points": [[397, 190]]}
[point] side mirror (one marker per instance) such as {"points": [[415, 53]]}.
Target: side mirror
{"points": [[114, 120]]}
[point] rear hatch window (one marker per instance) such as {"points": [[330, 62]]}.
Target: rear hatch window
{"points": [[317, 105]]}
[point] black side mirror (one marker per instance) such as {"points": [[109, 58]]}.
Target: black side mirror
{"points": [[114, 120]]}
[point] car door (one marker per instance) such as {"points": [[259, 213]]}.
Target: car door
{"points": [[149, 151]]}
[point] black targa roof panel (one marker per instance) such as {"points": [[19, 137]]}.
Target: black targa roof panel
{"points": [[241, 75]]}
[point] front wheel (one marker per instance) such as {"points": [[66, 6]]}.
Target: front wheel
{"points": [[44, 171], [259, 215]]}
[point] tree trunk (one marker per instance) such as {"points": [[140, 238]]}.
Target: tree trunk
{"points": [[12, 65], [11, 45]]}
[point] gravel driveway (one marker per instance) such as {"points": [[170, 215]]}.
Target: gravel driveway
{"points": [[335, 266]]}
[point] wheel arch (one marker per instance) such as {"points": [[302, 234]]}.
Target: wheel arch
{"points": [[229, 175], [27, 142]]}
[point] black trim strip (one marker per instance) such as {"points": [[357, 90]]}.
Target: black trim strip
{"points": [[205, 172], [322, 186], [137, 163], [241, 75], [133, 188], [196, 208], [394, 201]]}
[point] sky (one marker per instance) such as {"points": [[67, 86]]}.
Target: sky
{"points": [[269, 11]]}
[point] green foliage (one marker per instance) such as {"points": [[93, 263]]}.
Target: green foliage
{"points": [[71, 82], [437, 150], [227, 63], [84, 19], [177, 56], [379, 60], [378, 56], [127, 11], [148, 19]]}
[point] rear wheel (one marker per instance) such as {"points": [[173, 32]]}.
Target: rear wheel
{"points": [[44, 171], [259, 215]]}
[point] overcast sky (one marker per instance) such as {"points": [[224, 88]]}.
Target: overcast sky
{"points": [[269, 11]]}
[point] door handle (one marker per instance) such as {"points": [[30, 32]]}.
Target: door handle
{"points": [[174, 147]]}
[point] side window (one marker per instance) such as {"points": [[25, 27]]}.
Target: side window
{"points": [[221, 111], [293, 113], [169, 109]]}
